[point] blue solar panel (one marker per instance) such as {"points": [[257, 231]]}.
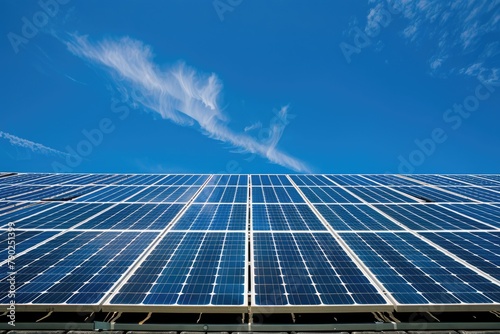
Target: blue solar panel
{"points": [[355, 217], [164, 194], [190, 269], [276, 194], [436, 180], [416, 273], [432, 194], [307, 269], [183, 180], [21, 178], [474, 180], [229, 217], [75, 268], [228, 194], [44, 194], [285, 217], [380, 195], [20, 212], [311, 180], [23, 240], [477, 193], [392, 180], [328, 195], [11, 191], [483, 212], [111, 194], [351, 180], [430, 217], [134, 217], [62, 216], [228, 180], [480, 249], [270, 180]]}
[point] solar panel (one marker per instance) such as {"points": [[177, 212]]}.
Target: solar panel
{"points": [[294, 269], [477, 193], [415, 273], [380, 195], [480, 249], [431, 217], [189, 269], [252, 243], [75, 268]]}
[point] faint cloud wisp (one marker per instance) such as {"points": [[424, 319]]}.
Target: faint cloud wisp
{"points": [[32, 146], [179, 93]]}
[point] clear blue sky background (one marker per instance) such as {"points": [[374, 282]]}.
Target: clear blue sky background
{"points": [[250, 86]]}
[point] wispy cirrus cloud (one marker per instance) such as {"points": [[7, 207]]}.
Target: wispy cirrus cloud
{"points": [[32, 146], [178, 93], [456, 31]]}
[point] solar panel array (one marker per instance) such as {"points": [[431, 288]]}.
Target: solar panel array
{"points": [[250, 243]]}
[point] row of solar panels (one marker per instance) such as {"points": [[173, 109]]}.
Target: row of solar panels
{"points": [[242, 180], [207, 271], [260, 194], [194, 255], [234, 217]]}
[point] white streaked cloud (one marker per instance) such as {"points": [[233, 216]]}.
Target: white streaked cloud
{"points": [[453, 30], [178, 93], [32, 146]]}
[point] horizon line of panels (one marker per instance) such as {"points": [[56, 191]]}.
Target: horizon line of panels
{"points": [[263, 190], [265, 180]]}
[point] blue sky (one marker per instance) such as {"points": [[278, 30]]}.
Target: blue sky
{"points": [[239, 86]]}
